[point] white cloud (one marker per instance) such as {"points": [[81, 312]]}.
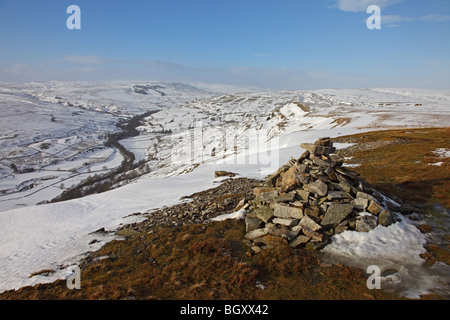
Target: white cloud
{"points": [[393, 20], [362, 5], [264, 77], [435, 18]]}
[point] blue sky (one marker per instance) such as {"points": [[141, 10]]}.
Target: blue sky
{"points": [[282, 44]]}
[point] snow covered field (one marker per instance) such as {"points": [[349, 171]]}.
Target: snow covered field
{"points": [[52, 137]]}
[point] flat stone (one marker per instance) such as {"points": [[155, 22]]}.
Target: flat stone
{"points": [[294, 232], [309, 223], [301, 168], [318, 187], [361, 203], [366, 223], [256, 233], [303, 178], [302, 194], [325, 141], [263, 213], [252, 223], [277, 229], [336, 212], [324, 150], [317, 149], [301, 239], [258, 190], [385, 218], [281, 210], [313, 234], [286, 211], [364, 195], [313, 211], [321, 163], [285, 197], [311, 147], [348, 173], [303, 156], [267, 196], [338, 160], [298, 204], [334, 195], [285, 222]]}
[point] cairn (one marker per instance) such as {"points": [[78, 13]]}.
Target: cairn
{"points": [[310, 199]]}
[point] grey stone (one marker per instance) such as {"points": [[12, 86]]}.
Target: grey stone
{"points": [[294, 232], [324, 150], [361, 203], [318, 187], [338, 160], [316, 149], [324, 141], [298, 204], [301, 168], [364, 195], [329, 171], [334, 195], [321, 163], [311, 147], [336, 212], [312, 211], [277, 230], [303, 178], [366, 223], [285, 221], [285, 197], [303, 156], [346, 172], [267, 196], [260, 190], [256, 233], [286, 211], [263, 213], [347, 187], [313, 234], [385, 218], [309, 223], [296, 213], [302, 194], [252, 223], [301, 239]]}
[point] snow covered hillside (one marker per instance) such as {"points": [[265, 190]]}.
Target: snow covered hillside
{"points": [[52, 137]]}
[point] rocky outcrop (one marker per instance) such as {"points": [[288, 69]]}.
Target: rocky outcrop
{"points": [[310, 199]]}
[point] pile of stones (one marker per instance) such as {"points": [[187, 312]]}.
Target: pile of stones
{"points": [[310, 199]]}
